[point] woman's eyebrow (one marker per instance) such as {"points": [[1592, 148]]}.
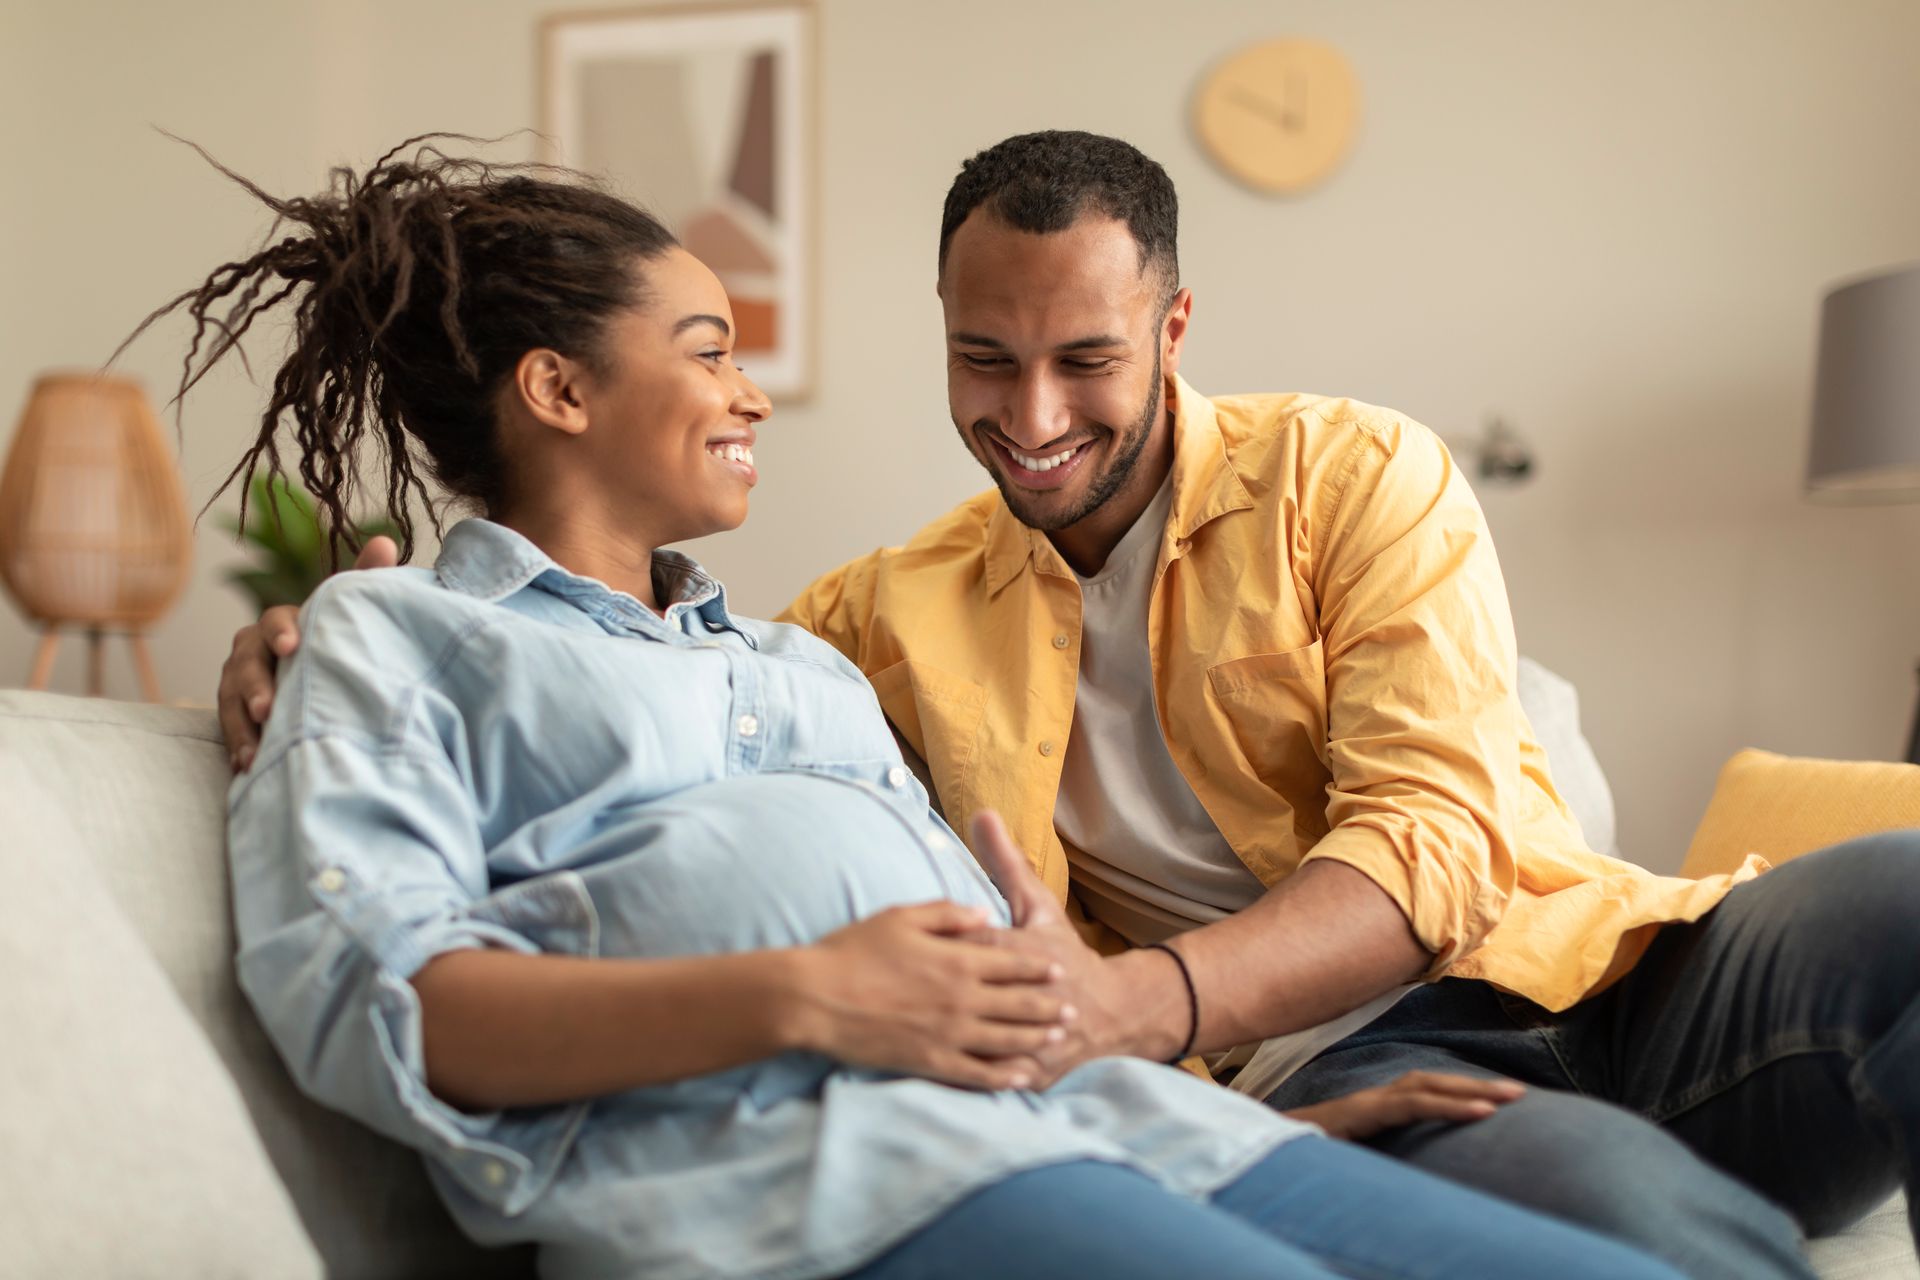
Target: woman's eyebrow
{"points": [[687, 322]]}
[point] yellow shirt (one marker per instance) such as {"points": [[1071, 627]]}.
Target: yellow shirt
{"points": [[1333, 664]]}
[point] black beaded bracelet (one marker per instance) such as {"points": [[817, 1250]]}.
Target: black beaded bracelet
{"points": [[1193, 999]]}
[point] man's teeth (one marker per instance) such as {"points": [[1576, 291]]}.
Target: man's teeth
{"points": [[1043, 464], [732, 453]]}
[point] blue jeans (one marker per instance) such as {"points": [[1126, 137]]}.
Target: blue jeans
{"points": [[1312, 1210], [1757, 1074]]}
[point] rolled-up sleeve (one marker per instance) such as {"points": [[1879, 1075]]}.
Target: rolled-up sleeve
{"points": [[356, 859], [1422, 721]]}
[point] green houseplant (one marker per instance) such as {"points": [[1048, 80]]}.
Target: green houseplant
{"points": [[292, 555]]}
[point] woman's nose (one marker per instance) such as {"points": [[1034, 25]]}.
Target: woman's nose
{"points": [[749, 401]]}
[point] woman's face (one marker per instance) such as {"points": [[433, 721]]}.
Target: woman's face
{"points": [[673, 418]]}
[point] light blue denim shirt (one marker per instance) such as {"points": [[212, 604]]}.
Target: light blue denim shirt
{"points": [[498, 753]]}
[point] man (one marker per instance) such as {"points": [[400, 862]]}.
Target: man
{"points": [[1239, 675]]}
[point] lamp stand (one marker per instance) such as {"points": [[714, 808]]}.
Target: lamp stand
{"points": [[1913, 739], [96, 661]]}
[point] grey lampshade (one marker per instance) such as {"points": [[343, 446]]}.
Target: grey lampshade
{"points": [[1866, 396]]}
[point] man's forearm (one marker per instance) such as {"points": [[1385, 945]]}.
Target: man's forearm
{"points": [[1321, 943]]}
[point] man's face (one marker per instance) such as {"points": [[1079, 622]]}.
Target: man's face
{"points": [[1056, 350]]}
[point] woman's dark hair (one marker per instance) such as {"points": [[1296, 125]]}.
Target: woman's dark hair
{"points": [[416, 287]]}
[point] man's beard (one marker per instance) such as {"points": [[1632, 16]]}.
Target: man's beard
{"points": [[1128, 447]]}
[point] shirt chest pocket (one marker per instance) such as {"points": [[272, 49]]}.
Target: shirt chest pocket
{"points": [[938, 715], [1275, 705]]}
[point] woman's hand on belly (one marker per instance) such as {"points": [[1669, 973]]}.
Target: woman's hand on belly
{"points": [[904, 991]]}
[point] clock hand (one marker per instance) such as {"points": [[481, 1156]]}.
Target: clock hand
{"points": [[1261, 107]]}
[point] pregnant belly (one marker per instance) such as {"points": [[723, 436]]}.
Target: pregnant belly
{"points": [[770, 860]]}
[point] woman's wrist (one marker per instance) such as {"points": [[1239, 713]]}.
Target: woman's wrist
{"points": [[789, 997]]}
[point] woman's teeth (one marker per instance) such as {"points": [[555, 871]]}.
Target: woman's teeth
{"points": [[1043, 464], [732, 452]]}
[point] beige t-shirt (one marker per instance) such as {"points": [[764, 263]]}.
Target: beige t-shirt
{"points": [[1150, 863], [1147, 859]]}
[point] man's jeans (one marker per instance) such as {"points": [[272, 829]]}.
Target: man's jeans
{"points": [[1756, 1074]]}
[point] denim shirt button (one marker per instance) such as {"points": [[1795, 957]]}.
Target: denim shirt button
{"points": [[896, 777], [331, 880], [747, 726], [494, 1173]]}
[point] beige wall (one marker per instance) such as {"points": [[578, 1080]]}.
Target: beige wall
{"points": [[1609, 221]]}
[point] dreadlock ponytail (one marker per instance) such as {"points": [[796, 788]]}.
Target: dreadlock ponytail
{"points": [[415, 288]]}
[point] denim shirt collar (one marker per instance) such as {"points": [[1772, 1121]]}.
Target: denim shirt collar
{"points": [[490, 562]]}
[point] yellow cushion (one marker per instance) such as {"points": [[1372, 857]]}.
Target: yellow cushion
{"points": [[1781, 807]]}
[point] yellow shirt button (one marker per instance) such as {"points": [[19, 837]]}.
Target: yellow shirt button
{"points": [[1046, 748], [1060, 641]]}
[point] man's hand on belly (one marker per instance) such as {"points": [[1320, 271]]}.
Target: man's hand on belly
{"points": [[909, 990]]}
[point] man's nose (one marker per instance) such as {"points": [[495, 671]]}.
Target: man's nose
{"points": [[1038, 414]]}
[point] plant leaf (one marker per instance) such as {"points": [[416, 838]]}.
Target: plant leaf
{"points": [[292, 555], [266, 587]]}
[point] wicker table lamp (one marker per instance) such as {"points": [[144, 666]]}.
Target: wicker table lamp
{"points": [[94, 531]]}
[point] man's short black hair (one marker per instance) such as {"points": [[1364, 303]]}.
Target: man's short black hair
{"points": [[1043, 182]]}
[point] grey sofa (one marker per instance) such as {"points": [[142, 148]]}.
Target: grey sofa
{"points": [[146, 1127]]}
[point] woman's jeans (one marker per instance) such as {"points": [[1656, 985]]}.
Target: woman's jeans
{"points": [[1313, 1209], [1756, 1074]]}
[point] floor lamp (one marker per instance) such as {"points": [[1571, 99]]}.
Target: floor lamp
{"points": [[1866, 400], [94, 532]]}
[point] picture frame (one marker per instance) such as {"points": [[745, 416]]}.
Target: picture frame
{"points": [[706, 117]]}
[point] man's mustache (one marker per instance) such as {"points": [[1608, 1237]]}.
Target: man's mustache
{"points": [[986, 430]]}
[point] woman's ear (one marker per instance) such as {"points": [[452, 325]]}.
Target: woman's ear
{"points": [[551, 387]]}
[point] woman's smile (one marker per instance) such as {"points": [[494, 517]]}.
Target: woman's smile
{"points": [[737, 456]]}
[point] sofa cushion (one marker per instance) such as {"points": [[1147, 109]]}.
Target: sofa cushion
{"points": [[144, 792], [125, 1149], [1878, 1247], [1781, 807]]}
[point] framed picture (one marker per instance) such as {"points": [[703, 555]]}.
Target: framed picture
{"points": [[704, 116]]}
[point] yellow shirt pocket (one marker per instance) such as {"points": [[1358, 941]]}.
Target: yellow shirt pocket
{"points": [[1275, 705], [939, 714]]}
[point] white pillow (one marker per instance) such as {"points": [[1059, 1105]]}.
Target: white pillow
{"points": [[1552, 706]]}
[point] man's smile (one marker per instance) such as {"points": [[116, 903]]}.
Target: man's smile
{"points": [[1050, 470]]}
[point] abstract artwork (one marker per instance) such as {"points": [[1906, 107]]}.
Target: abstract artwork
{"points": [[703, 116]]}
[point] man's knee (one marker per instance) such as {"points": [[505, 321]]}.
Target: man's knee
{"points": [[1858, 876], [1856, 902], [1605, 1168]]}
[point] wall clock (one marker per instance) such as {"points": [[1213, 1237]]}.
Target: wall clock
{"points": [[1280, 115]]}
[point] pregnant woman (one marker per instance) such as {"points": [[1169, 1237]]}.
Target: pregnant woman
{"points": [[621, 908]]}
